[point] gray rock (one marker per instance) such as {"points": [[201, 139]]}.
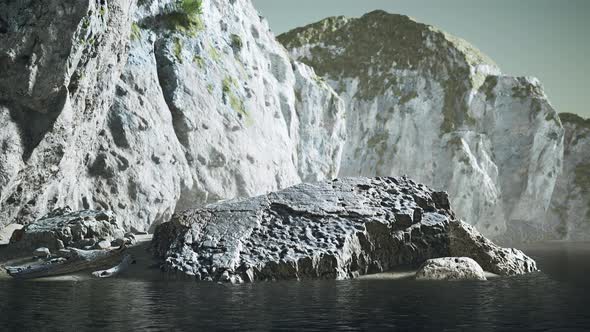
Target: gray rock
{"points": [[328, 230], [103, 245], [466, 241], [63, 228], [152, 116], [118, 242], [130, 235], [135, 231], [42, 252], [86, 243], [450, 268], [60, 62], [64, 253]]}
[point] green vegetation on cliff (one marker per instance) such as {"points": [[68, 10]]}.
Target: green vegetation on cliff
{"points": [[135, 31], [228, 85], [575, 119], [187, 19], [378, 47]]}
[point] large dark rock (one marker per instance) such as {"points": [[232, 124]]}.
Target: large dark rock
{"points": [[330, 230]]}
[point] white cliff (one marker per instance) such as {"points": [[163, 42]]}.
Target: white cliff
{"points": [[59, 62], [207, 106], [153, 107], [429, 105], [570, 205]]}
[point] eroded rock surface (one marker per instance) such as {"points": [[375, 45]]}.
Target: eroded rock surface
{"points": [[63, 228], [465, 240], [59, 61], [429, 105], [209, 106], [331, 230], [569, 215], [450, 268], [153, 108]]}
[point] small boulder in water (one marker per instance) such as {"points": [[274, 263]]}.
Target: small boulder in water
{"points": [[450, 268]]}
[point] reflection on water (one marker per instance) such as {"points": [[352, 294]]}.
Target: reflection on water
{"points": [[549, 300]]}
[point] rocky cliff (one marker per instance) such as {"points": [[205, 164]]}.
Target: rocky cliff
{"points": [[570, 205], [59, 61], [423, 103], [203, 104], [153, 107], [335, 229]]}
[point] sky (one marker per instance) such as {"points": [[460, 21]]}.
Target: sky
{"points": [[548, 39]]}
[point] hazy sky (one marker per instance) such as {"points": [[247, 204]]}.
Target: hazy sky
{"points": [[549, 39]]}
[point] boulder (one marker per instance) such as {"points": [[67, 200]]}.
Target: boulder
{"points": [[451, 268], [6, 233], [63, 228], [42, 253], [465, 240], [118, 242], [569, 215], [335, 229], [130, 239]]}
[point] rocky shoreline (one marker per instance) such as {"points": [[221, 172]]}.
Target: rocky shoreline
{"points": [[340, 229]]}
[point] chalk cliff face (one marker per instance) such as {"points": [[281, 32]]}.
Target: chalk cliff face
{"points": [[426, 104], [570, 205], [58, 64], [152, 107], [207, 106]]}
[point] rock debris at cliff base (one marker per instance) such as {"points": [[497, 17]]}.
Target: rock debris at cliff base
{"points": [[336, 229]]}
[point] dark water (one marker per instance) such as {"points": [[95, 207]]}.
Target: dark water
{"points": [[557, 299]]}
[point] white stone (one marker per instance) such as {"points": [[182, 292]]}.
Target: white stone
{"points": [[451, 268]]}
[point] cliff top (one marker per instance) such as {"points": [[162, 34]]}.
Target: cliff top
{"points": [[371, 46], [571, 118], [398, 35]]}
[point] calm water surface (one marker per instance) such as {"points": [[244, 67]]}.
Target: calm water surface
{"points": [[556, 299]]}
